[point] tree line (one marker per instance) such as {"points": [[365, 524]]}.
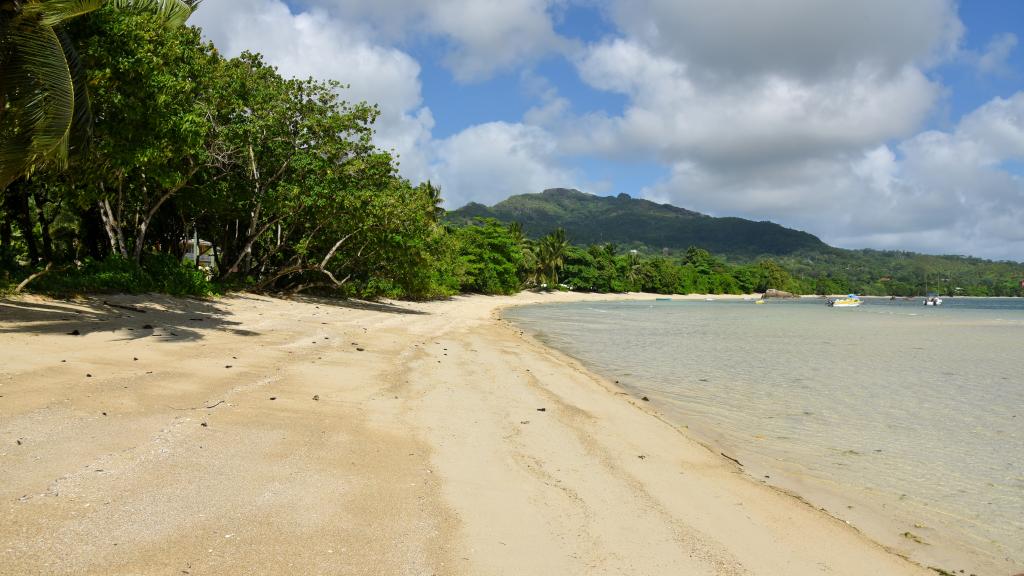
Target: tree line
{"points": [[499, 258], [175, 142]]}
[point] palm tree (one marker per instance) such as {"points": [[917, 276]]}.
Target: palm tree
{"points": [[43, 96], [436, 211], [528, 271], [551, 256], [632, 268]]}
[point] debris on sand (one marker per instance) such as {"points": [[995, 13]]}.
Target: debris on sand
{"points": [[74, 333]]}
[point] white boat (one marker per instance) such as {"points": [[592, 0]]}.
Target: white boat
{"points": [[933, 301], [851, 301]]}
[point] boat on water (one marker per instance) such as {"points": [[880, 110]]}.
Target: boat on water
{"points": [[851, 301], [932, 299]]}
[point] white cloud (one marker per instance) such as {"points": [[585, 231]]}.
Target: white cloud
{"points": [[323, 44], [484, 36], [993, 60], [315, 44], [802, 38], [802, 111], [758, 119], [490, 162], [939, 192]]}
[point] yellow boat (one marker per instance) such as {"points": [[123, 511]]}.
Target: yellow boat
{"points": [[850, 301]]}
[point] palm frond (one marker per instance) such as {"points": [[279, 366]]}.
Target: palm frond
{"points": [[81, 124], [39, 95], [54, 12], [174, 12]]}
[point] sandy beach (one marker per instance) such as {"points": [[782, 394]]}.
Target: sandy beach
{"points": [[253, 435]]}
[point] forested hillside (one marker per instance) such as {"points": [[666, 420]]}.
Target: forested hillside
{"points": [[665, 232], [640, 224]]}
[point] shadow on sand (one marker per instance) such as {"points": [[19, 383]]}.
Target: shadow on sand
{"points": [[146, 316], [385, 307], [165, 318]]}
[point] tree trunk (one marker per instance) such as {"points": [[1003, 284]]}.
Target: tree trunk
{"points": [[5, 233], [113, 228], [17, 205], [44, 228], [140, 237], [91, 233]]}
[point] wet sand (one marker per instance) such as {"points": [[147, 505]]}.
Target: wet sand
{"points": [[251, 435]]}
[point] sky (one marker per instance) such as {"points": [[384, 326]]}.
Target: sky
{"points": [[871, 124]]}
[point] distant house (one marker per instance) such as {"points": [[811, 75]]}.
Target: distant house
{"points": [[205, 253]]}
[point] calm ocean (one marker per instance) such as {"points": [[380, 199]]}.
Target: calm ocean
{"points": [[905, 420]]}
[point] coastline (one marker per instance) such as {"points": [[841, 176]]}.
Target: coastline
{"points": [[880, 515], [424, 451]]}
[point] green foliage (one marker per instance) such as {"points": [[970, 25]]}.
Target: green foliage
{"points": [[639, 224], [751, 255], [157, 273], [43, 94], [491, 258], [551, 253], [280, 178]]}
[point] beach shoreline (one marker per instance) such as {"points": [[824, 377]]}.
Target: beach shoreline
{"points": [[882, 516], [396, 438]]}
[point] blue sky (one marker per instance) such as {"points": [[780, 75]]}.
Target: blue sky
{"points": [[871, 123]]}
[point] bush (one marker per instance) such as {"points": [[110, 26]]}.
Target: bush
{"points": [[158, 273]]}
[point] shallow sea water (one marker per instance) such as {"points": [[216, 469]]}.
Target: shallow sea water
{"points": [[898, 417]]}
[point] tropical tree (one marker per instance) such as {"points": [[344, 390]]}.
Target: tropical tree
{"points": [[633, 268], [528, 268], [551, 255], [43, 94], [434, 199], [155, 141], [491, 258]]}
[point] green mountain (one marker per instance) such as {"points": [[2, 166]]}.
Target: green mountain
{"points": [[653, 228], [635, 223]]}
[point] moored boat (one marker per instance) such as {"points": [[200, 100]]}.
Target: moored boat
{"points": [[851, 301]]}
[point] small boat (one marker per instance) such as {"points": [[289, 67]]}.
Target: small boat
{"points": [[933, 301], [760, 302], [851, 301]]}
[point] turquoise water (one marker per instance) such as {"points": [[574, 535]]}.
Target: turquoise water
{"points": [[906, 420]]}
